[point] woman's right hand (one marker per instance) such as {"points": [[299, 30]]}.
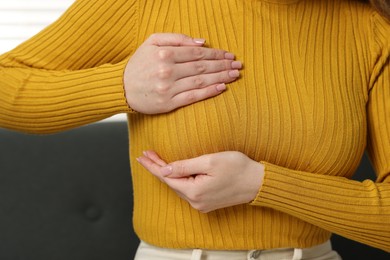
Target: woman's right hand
{"points": [[169, 71]]}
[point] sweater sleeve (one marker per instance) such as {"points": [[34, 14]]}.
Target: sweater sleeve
{"points": [[357, 210], [71, 73]]}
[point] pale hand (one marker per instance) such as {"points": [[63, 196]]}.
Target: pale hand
{"points": [[169, 71], [210, 181]]}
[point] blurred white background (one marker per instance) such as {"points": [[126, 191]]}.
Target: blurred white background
{"points": [[21, 19]]}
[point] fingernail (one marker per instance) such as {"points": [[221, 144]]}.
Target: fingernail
{"points": [[199, 40], [236, 65], [145, 153], [137, 159], [229, 56], [234, 73], [166, 170], [221, 87]]}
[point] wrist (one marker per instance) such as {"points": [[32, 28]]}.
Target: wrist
{"points": [[256, 180]]}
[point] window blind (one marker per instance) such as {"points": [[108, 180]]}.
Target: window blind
{"points": [[21, 19]]}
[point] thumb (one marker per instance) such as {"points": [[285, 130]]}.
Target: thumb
{"points": [[184, 168], [174, 39]]}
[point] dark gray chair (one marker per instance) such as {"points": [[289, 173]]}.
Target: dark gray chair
{"points": [[68, 196]]}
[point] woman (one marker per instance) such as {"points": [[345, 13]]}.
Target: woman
{"points": [[268, 160]]}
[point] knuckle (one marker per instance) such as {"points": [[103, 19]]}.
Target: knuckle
{"points": [[164, 72], [226, 65], [198, 82], [209, 162], [200, 68], [198, 53], [180, 168], [154, 37], [224, 77], [214, 54], [162, 89], [183, 37], [164, 54], [183, 169], [214, 161], [191, 97], [221, 65]]}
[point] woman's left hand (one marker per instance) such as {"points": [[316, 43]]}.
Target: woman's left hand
{"points": [[210, 181]]}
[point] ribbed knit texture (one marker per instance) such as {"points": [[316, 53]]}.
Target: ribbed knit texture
{"points": [[313, 92], [71, 73]]}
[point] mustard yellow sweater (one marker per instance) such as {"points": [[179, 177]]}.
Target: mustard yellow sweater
{"points": [[314, 94]]}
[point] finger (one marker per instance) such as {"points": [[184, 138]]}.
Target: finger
{"points": [[174, 39], [195, 95], [187, 54], [205, 80], [186, 168], [183, 70], [152, 155], [151, 166]]}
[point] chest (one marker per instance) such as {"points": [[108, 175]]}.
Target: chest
{"points": [[301, 97]]}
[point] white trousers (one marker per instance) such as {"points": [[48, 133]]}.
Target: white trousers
{"points": [[320, 252]]}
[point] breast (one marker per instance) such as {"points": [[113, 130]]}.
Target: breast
{"points": [[277, 123]]}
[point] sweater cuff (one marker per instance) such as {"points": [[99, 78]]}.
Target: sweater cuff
{"points": [[309, 194], [122, 65], [117, 76], [280, 187]]}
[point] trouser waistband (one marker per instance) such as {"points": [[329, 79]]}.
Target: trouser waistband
{"points": [[322, 251]]}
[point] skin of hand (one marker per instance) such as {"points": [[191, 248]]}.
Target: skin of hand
{"points": [[169, 71], [210, 181]]}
